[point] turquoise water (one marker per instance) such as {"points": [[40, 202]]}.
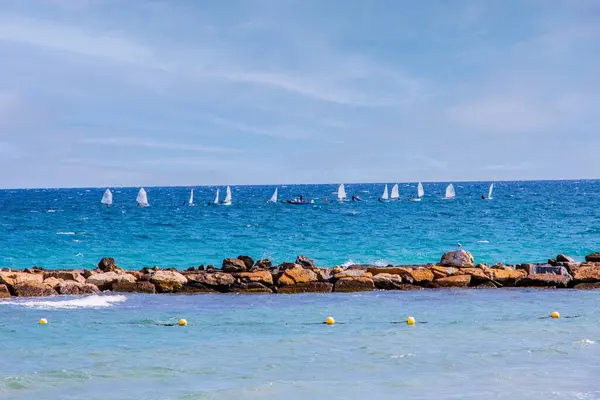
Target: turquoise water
{"points": [[526, 222], [477, 344]]}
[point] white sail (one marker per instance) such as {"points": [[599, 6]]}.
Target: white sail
{"points": [[420, 191], [450, 193], [395, 195], [217, 197], [107, 198], [385, 195], [227, 200], [341, 192], [274, 197], [191, 200], [142, 198], [490, 191]]}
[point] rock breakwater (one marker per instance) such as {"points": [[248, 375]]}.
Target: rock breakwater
{"points": [[456, 269]]}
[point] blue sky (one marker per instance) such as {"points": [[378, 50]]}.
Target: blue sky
{"points": [[156, 92]]}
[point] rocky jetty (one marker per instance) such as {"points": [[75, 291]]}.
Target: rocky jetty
{"points": [[456, 269]]}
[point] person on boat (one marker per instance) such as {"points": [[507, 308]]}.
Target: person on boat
{"points": [[301, 199], [410, 198], [482, 197]]}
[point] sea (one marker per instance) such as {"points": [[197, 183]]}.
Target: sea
{"points": [[466, 344]]}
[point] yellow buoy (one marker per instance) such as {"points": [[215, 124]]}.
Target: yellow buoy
{"points": [[555, 314], [182, 322], [330, 321], [43, 321], [410, 321]]}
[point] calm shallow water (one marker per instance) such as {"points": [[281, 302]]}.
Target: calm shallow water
{"points": [[477, 344], [526, 222]]}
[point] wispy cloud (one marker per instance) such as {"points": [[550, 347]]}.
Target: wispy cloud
{"points": [[154, 144]]}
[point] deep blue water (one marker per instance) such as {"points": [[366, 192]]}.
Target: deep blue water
{"points": [[526, 222]]}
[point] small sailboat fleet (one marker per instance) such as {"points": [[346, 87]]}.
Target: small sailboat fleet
{"points": [[142, 198], [450, 193], [107, 198], [226, 201]]}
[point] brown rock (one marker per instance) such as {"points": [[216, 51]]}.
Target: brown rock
{"points": [[545, 280], [263, 264], [387, 281], [4, 292], [74, 287], [309, 287], [386, 270], [353, 273], [323, 274], [587, 272], [33, 289], [53, 282], [212, 278], [196, 287], [107, 265], [168, 281], [354, 284], [594, 257], [65, 275], [105, 280], [418, 275], [247, 260], [134, 287], [580, 286], [336, 270], [296, 275], [564, 258], [14, 278], [233, 265], [254, 287], [305, 261], [457, 258], [263, 277], [507, 277], [442, 272], [453, 281]]}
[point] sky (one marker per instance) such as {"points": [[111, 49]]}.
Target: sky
{"points": [[158, 92]]}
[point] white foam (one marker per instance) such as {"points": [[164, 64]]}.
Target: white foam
{"points": [[65, 233], [94, 301], [483, 241]]}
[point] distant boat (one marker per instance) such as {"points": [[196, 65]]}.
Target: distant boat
{"points": [[142, 198], [395, 194], [385, 197], [273, 198], [450, 193], [107, 198], [420, 193], [341, 193], [299, 201], [191, 200], [227, 201], [217, 197], [489, 196]]}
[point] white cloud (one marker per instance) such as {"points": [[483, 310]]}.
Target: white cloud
{"points": [[154, 144]]}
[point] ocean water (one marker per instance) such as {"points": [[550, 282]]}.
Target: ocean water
{"points": [[526, 222], [475, 344]]}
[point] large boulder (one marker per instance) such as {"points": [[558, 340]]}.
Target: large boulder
{"points": [[507, 277], [247, 260], [105, 280], [541, 269], [52, 282], [387, 281], [33, 289], [233, 265], [478, 275], [353, 273], [296, 275], [308, 287], [457, 258], [564, 258], [134, 287], [4, 292], [74, 287], [594, 257], [305, 261], [14, 278], [263, 277], [107, 264], [263, 264], [219, 280], [453, 281], [254, 287], [587, 272], [167, 281], [354, 284], [545, 280], [323, 274], [420, 276], [65, 275], [442, 272], [195, 287], [388, 270]]}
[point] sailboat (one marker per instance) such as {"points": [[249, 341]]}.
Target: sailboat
{"points": [[191, 200], [489, 196], [227, 201], [341, 194], [395, 194], [107, 198], [420, 193], [450, 193], [142, 198], [216, 202], [385, 197], [273, 198]]}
